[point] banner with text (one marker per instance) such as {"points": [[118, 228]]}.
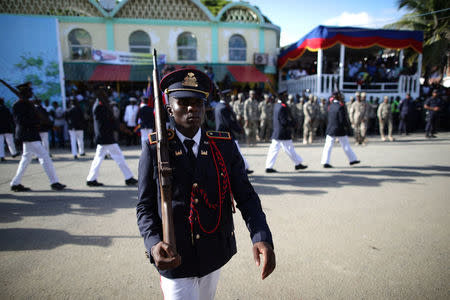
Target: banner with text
{"points": [[125, 58]]}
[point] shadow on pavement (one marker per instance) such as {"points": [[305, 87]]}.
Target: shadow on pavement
{"points": [[22, 239], [32, 204]]}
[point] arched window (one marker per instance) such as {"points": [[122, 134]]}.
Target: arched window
{"points": [[80, 44], [237, 48], [187, 46], [139, 41]]}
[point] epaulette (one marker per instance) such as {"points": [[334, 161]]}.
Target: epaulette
{"points": [[223, 135], [152, 137]]}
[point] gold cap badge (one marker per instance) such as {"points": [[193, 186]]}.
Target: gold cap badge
{"points": [[190, 80]]}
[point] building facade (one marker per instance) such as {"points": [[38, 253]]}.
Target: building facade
{"points": [[184, 32]]}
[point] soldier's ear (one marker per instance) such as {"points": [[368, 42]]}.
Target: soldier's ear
{"points": [[169, 110]]}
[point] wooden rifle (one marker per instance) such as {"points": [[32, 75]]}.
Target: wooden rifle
{"points": [[164, 169]]}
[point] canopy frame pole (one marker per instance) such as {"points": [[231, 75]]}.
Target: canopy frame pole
{"points": [[401, 58], [319, 71], [341, 68]]}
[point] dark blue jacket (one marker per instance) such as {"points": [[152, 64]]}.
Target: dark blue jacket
{"points": [[210, 242], [6, 120], [225, 120], [27, 121], [281, 122], [146, 117], [406, 107], [338, 122], [104, 124], [75, 118]]}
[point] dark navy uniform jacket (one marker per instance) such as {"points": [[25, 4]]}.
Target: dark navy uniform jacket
{"points": [[281, 122], [27, 121], [224, 119], [406, 107], [75, 118], [202, 206], [338, 123], [104, 124], [6, 120], [145, 114], [433, 102]]}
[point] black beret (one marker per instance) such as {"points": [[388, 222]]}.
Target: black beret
{"points": [[186, 83]]}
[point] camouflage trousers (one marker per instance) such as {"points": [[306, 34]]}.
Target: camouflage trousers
{"points": [[360, 129], [265, 130], [250, 132], [309, 131]]}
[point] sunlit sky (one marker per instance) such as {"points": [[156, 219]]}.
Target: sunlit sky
{"points": [[296, 18]]}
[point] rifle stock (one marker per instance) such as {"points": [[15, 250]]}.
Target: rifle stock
{"points": [[164, 169]]}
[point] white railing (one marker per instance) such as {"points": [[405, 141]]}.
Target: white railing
{"points": [[330, 83]]}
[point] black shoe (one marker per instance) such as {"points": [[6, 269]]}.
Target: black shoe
{"points": [[14, 155], [433, 136], [75, 157], [2, 159], [270, 170], [248, 171], [131, 181], [354, 162], [57, 186], [327, 166], [83, 154], [300, 167], [94, 183], [19, 188]]}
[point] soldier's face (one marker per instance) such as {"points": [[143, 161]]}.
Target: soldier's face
{"points": [[188, 113]]}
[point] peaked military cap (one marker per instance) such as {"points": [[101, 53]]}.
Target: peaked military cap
{"points": [[23, 86], [186, 83]]}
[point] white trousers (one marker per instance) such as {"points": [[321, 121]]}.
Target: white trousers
{"points": [[30, 149], [9, 141], [44, 141], [288, 148], [239, 149], [116, 154], [76, 137], [144, 135], [329, 142], [191, 288]]}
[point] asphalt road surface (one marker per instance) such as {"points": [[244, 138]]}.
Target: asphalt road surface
{"points": [[378, 230]]}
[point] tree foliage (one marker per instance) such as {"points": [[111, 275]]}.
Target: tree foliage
{"points": [[431, 17], [215, 6]]}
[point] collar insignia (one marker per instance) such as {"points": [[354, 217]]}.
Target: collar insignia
{"points": [[190, 80], [203, 152], [178, 153]]}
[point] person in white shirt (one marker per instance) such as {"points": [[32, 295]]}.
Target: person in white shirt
{"points": [[130, 119]]}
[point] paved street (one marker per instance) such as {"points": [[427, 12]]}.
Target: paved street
{"points": [[378, 230]]}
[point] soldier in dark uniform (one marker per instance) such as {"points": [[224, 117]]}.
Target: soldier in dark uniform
{"points": [[226, 121], [432, 106], [146, 120], [76, 124], [6, 131], [282, 137], [338, 127], [27, 131], [104, 126], [208, 172]]}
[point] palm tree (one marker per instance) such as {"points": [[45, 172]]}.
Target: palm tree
{"points": [[431, 17]]}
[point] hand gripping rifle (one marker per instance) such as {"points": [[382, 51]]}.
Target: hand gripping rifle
{"points": [[164, 169]]}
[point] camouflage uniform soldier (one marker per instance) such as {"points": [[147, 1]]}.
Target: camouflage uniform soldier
{"points": [[266, 115], [384, 114], [238, 109], [311, 111], [251, 118], [323, 116], [359, 113], [300, 117]]}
